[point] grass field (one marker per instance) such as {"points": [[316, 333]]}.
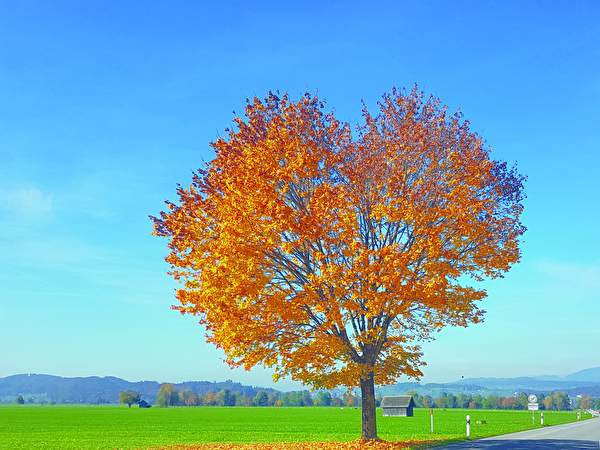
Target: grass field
{"points": [[112, 427]]}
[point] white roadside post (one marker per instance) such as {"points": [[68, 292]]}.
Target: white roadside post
{"points": [[468, 426], [542, 422]]}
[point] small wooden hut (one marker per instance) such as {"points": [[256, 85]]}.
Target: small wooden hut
{"points": [[398, 406]]}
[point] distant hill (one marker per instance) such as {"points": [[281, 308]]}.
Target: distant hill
{"points": [[106, 389], [584, 382], [101, 389], [527, 383], [585, 375]]}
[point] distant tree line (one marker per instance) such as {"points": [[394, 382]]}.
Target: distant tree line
{"points": [[97, 390], [169, 395], [20, 400], [557, 401]]}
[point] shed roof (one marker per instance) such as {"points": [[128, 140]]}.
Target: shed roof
{"points": [[398, 401]]}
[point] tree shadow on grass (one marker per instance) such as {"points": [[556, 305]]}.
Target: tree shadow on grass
{"points": [[524, 444]]}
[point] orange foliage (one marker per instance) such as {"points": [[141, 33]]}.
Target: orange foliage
{"points": [[209, 399], [329, 255], [358, 444]]}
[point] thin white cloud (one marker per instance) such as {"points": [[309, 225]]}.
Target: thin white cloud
{"points": [[31, 203], [579, 275]]}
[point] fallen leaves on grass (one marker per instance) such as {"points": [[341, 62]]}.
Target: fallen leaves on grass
{"points": [[358, 444]]}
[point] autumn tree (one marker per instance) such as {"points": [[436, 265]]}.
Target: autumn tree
{"points": [[349, 400], [129, 397], [585, 402], [337, 402], [427, 401], [416, 398], [273, 398], [522, 401], [499, 402], [246, 400], [224, 398], [329, 254], [509, 403], [561, 402], [558, 401], [167, 396], [261, 399], [462, 400], [286, 400], [547, 402], [323, 399], [446, 401], [209, 399], [188, 398]]}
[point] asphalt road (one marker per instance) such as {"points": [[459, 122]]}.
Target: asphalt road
{"points": [[573, 436]]}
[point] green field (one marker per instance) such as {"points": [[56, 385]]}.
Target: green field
{"points": [[110, 427]]}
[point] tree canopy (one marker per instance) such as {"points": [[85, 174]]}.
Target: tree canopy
{"points": [[167, 395], [129, 397], [329, 254]]}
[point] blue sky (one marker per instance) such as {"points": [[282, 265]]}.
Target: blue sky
{"points": [[106, 106]]}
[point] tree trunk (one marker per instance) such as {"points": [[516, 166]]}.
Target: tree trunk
{"points": [[369, 423]]}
